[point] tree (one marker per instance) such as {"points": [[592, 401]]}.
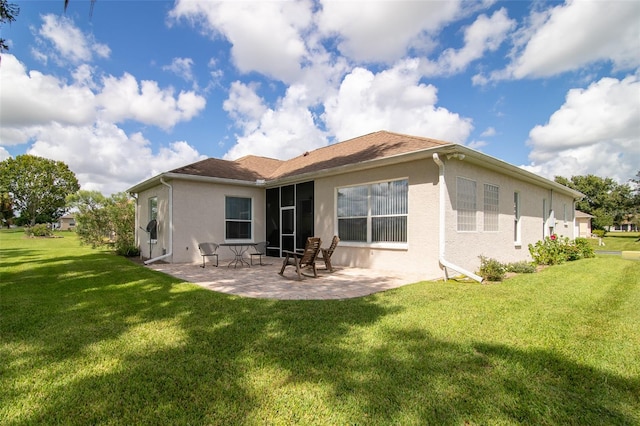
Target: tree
{"points": [[609, 202], [8, 13], [102, 221], [6, 209], [38, 187]]}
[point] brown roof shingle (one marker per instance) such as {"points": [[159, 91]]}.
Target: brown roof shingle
{"points": [[372, 146]]}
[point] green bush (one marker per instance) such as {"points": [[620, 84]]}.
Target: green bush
{"points": [[599, 232], [491, 269], [128, 251], [585, 247], [39, 230], [554, 250], [522, 267]]}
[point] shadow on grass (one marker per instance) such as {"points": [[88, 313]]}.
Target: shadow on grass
{"points": [[97, 339]]}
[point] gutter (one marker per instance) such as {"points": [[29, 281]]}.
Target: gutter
{"points": [[442, 184], [170, 253]]}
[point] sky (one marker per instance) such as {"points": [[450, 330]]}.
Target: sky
{"points": [[132, 89]]}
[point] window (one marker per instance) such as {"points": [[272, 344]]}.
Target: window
{"points": [[238, 218], [153, 208], [374, 213], [491, 207], [466, 204], [516, 219]]}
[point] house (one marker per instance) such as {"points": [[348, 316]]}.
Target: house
{"points": [[583, 224], [397, 202], [67, 222]]}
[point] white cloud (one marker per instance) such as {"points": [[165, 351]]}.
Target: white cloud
{"points": [[32, 98], [105, 158], [489, 131], [283, 132], [124, 99], [4, 154], [182, 67], [69, 41], [485, 34], [393, 100], [596, 130], [576, 34], [265, 36], [382, 31]]}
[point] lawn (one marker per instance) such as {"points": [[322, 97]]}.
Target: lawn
{"points": [[618, 241], [91, 338]]}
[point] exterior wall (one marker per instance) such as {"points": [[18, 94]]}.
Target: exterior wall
{"points": [[464, 248], [199, 217], [142, 219], [67, 223], [584, 227], [420, 254]]}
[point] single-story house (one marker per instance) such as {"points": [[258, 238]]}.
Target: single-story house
{"points": [[66, 222], [583, 224], [397, 202]]}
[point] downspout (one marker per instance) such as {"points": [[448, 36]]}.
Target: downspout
{"points": [[170, 252], [442, 184]]}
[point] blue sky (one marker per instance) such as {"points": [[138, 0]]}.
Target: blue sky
{"points": [[142, 87]]}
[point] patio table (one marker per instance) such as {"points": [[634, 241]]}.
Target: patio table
{"points": [[238, 250]]}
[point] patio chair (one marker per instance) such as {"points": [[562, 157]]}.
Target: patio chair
{"points": [[304, 259], [208, 250], [325, 254], [260, 250]]}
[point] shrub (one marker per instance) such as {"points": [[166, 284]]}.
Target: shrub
{"points": [[553, 250], [548, 251], [491, 269], [128, 251], [585, 248], [599, 232], [522, 267], [39, 230]]}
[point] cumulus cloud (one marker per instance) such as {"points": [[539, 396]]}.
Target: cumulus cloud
{"points": [[69, 42], [282, 132], [265, 36], [485, 34], [573, 35], [125, 99], [182, 67], [393, 100], [596, 130], [105, 158], [382, 31], [76, 123]]}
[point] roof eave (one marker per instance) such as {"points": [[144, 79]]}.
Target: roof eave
{"points": [[154, 181]]}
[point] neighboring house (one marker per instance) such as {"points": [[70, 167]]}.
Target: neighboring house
{"points": [[398, 203], [583, 224], [67, 222]]}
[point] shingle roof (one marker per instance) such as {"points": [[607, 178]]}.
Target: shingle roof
{"points": [[373, 146]]}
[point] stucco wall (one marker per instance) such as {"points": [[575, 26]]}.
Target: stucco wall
{"points": [[420, 254], [198, 216], [142, 219], [464, 248]]}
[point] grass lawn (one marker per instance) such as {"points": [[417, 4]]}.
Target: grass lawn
{"points": [[91, 338], [618, 241]]}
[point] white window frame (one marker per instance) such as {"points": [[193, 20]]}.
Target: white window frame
{"points": [[491, 216], [466, 215], [369, 218], [250, 220]]}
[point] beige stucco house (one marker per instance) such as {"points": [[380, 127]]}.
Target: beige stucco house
{"points": [[397, 202], [583, 224], [67, 222]]}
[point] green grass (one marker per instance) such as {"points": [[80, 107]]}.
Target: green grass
{"points": [[618, 241], [91, 338]]}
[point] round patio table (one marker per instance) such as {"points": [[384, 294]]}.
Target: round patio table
{"points": [[238, 250]]}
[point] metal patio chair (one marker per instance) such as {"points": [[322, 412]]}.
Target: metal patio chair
{"points": [[208, 250]]}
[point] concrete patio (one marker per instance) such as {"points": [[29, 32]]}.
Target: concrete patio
{"points": [[264, 282]]}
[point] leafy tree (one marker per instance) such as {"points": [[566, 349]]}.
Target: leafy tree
{"points": [[8, 13], [102, 221], [38, 187], [609, 202], [6, 209]]}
